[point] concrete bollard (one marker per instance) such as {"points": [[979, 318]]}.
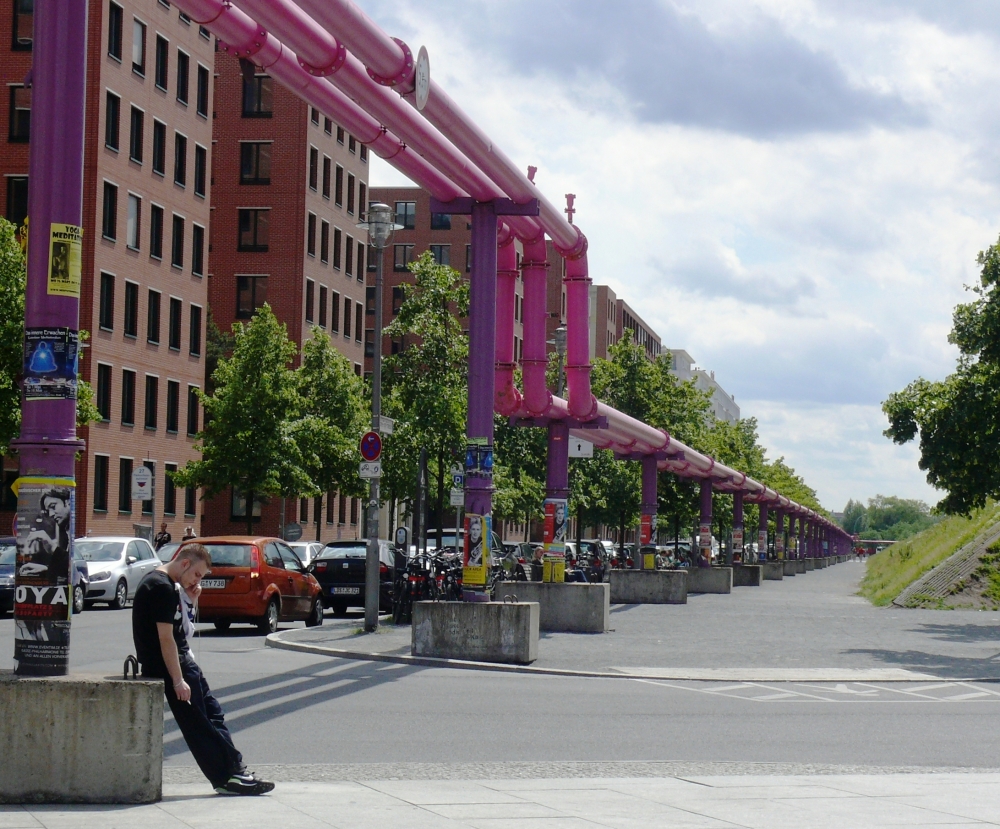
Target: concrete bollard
{"points": [[478, 631], [81, 739], [774, 570], [790, 568], [649, 586], [747, 575], [821, 563], [810, 563], [800, 566], [568, 607], [710, 580]]}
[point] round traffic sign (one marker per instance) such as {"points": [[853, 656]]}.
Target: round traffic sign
{"points": [[371, 446]]}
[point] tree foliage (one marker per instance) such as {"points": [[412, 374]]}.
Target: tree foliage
{"points": [[887, 517]]}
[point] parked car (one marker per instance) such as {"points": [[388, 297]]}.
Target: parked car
{"points": [[259, 581], [340, 570], [166, 552], [8, 557], [81, 581], [306, 550], [115, 566]]}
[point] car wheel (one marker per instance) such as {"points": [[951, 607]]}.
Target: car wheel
{"points": [[269, 623], [222, 625], [315, 615], [78, 603], [121, 596]]}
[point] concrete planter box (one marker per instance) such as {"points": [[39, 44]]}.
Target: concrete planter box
{"points": [[710, 580], [810, 563], [477, 631], [570, 607], [774, 570], [649, 586], [822, 563], [800, 566], [80, 739], [791, 568], [747, 575]]}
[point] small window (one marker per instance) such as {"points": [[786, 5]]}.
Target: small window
{"points": [[326, 176], [255, 162], [174, 324], [198, 250], [101, 483], [324, 242], [340, 135], [361, 261], [337, 236], [152, 399], [106, 318], [406, 214], [133, 221], [20, 114], [311, 234], [156, 231], [310, 299], [338, 188], [335, 312], [180, 159], [327, 126], [159, 147], [139, 47], [363, 154], [190, 502], [397, 299], [257, 96], [194, 332], [177, 243], [135, 135], [128, 397], [103, 396], [192, 410], [162, 59], [173, 405], [359, 321], [254, 232], [109, 223], [200, 169], [350, 193], [352, 145], [125, 485], [202, 103], [440, 221], [347, 317], [314, 115], [115, 17], [112, 116], [362, 200], [322, 306], [441, 254], [169, 488], [402, 256], [313, 168], [183, 67], [24, 18], [153, 317], [131, 327], [349, 259], [17, 199], [251, 293]]}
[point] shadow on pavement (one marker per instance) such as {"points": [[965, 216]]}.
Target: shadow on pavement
{"points": [[945, 667], [962, 633]]}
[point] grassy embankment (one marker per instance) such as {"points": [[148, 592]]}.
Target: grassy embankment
{"points": [[899, 565]]}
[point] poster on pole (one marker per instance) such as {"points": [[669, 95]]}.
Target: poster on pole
{"points": [[475, 553], [50, 363], [65, 258]]}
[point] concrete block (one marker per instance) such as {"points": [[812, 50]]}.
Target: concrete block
{"points": [[822, 563], [791, 568], [710, 580], [800, 565], [774, 570], [569, 607], [747, 575], [649, 586], [810, 563], [478, 631], [80, 739]]}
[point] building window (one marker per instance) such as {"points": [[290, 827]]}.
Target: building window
{"points": [[340, 135], [363, 155], [106, 317], [201, 106], [327, 126], [257, 96], [326, 176], [251, 293], [152, 395], [397, 299], [169, 490], [177, 243], [115, 17], [159, 147], [349, 258], [190, 502], [350, 193], [198, 250], [174, 324], [23, 22], [254, 229], [183, 65], [335, 312], [112, 116], [440, 221], [133, 221], [135, 135], [20, 113], [347, 317], [180, 159], [109, 224], [359, 321], [441, 254], [138, 47], [362, 200], [336, 247], [200, 168], [314, 115], [313, 168], [402, 256], [131, 309], [17, 199], [155, 231], [361, 261], [192, 412], [147, 506], [338, 186], [194, 332], [369, 342], [101, 483], [124, 485], [255, 162], [173, 404], [160, 70], [310, 299], [322, 306], [324, 242], [311, 234], [153, 317], [103, 398], [406, 214], [352, 145], [128, 397]]}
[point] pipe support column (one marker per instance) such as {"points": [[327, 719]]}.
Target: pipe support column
{"points": [[705, 525]]}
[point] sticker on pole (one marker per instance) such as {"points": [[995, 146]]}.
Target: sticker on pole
{"points": [[65, 245], [371, 446], [50, 363], [457, 498], [370, 469]]}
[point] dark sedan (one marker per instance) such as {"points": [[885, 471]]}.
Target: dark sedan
{"points": [[340, 569]]}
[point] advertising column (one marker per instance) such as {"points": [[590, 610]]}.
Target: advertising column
{"points": [[737, 528], [779, 534], [705, 524], [762, 534], [647, 524]]}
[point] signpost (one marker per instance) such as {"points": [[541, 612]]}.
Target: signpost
{"points": [[371, 446], [370, 469], [144, 489]]}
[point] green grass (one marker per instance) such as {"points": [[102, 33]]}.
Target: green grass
{"points": [[901, 564]]}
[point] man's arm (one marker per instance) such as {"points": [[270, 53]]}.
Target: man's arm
{"points": [[168, 647]]}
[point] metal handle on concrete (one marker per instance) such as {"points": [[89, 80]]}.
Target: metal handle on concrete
{"points": [[133, 663], [510, 599]]}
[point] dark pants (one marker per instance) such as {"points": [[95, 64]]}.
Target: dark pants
{"points": [[203, 725]]}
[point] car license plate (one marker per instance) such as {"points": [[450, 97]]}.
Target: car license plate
{"points": [[213, 584], [345, 591]]}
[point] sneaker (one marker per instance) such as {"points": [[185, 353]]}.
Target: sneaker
{"points": [[245, 783]]}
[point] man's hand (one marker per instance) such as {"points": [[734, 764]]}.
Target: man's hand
{"points": [[183, 691]]}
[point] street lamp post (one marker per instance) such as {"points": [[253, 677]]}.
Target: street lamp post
{"points": [[380, 226]]}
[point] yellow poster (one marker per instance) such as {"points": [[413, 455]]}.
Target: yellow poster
{"points": [[65, 259]]}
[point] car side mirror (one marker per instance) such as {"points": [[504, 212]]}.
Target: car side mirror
{"points": [[130, 559]]}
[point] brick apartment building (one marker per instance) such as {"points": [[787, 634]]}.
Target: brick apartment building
{"points": [[145, 217], [289, 188]]}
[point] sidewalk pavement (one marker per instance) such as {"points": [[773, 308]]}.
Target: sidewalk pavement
{"points": [[940, 800]]}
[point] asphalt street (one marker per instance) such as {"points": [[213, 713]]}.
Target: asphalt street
{"points": [[322, 716]]}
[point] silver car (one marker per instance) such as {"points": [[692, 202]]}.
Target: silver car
{"points": [[306, 550], [116, 565]]}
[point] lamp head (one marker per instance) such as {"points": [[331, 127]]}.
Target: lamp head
{"points": [[380, 225]]}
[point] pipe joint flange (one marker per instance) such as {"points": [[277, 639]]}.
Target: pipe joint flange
{"points": [[576, 251], [405, 76], [504, 366], [527, 264], [333, 67], [260, 38]]}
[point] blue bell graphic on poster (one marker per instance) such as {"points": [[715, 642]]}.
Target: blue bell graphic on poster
{"points": [[42, 361]]}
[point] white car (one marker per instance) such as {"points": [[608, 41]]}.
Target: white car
{"points": [[306, 550], [116, 565]]}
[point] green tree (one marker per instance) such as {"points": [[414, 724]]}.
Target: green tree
{"points": [[253, 420], [854, 517], [519, 471]]}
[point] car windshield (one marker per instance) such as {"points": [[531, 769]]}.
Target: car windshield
{"points": [[590, 548], [345, 551], [230, 555], [166, 552], [8, 552], [100, 550]]}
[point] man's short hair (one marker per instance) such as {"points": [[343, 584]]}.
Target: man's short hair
{"points": [[60, 493], [195, 551]]}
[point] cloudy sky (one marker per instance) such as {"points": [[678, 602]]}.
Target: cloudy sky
{"points": [[794, 191]]}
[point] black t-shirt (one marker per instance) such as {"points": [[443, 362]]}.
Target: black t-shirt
{"points": [[156, 600]]}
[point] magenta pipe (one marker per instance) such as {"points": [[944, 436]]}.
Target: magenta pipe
{"points": [[506, 398], [582, 403], [534, 358]]}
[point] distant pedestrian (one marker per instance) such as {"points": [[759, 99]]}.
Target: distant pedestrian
{"points": [[188, 534], [162, 537]]}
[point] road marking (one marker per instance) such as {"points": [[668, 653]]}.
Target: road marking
{"points": [[975, 695]]}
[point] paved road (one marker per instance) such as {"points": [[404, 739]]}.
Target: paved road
{"points": [[291, 709]]}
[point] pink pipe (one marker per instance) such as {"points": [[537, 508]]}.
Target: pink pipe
{"points": [[582, 402], [534, 357], [506, 398]]}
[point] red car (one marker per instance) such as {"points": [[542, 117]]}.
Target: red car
{"points": [[256, 580]]}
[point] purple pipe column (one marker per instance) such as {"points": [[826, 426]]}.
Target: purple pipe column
{"points": [[705, 528], [803, 553], [762, 534], [47, 444], [779, 534], [647, 526], [791, 538], [737, 527], [556, 497]]}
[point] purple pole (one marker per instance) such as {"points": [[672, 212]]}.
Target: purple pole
{"points": [[47, 444], [705, 530], [779, 533], [738, 527], [557, 491], [803, 552], [647, 533], [762, 534], [791, 536], [557, 468]]}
